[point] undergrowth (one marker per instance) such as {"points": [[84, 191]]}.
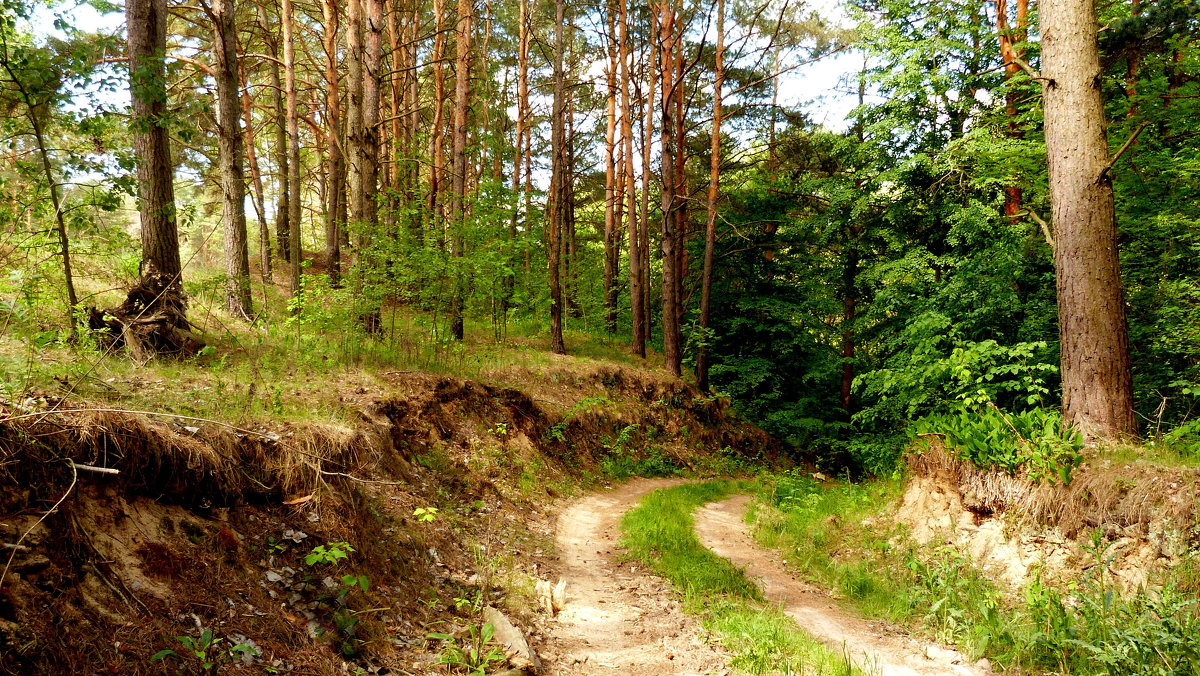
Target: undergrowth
{"points": [[660, 534], [839, 537]]}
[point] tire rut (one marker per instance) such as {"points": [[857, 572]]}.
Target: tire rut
{"points": [[873, 646], [619, 618]]}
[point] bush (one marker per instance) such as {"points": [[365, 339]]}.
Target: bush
{"points": [[1033, 443]]}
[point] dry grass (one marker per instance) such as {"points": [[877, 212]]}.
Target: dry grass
{"points": [[1101, 493]]}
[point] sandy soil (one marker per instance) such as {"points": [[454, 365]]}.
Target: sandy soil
{"points": [[874, 646], [618, 618]]}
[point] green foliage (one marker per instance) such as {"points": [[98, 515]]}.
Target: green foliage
{"points": [[426, 514], [557, 431], [935, 370], [205, 651], [472, 654], [1032, 443], [328, 554]]}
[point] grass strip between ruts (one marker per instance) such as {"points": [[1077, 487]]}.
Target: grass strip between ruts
{"points": [[660, 533]]}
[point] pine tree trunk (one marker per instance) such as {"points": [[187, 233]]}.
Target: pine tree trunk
{"points": [[459, 161], [153, 318], [371, 102], [557, 184], [636, 253], [672, 335], [293, 142], [714, 187], [436, 133], [335, 170], [610, 176], [260, 207], [1097, 390], [648, 103], [283, 197], [355, 129], [230, 150]]}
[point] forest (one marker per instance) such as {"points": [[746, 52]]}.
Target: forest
{"points": [[630, 173], [383, 270]]}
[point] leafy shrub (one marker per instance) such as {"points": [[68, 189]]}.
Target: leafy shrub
{"points": [[1032, 442], [936, 370]]}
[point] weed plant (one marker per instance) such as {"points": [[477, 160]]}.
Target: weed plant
{"points": [[660, 533], [839, 537]]}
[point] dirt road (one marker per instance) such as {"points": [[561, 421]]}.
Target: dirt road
{"points": [[619, 618], [874, 646]]}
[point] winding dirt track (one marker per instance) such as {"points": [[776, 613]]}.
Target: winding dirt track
{"points": [[873, 646], [619, 619]]}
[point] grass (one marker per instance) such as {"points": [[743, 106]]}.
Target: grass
{"points": [[280, 366], [841, 537], [660, 534]]}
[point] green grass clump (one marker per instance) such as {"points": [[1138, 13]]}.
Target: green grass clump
{"points": [[840, 537], [660, 533]]}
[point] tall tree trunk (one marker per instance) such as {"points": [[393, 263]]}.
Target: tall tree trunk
{"points": [[714, 187], [293, 145], [672, 334], [636, 254], [153, 318], [558, 182], [371, 100], [1097, 389], [611, 254], [437, 147], [648, 103], [283, 198], [395, 180], [147, 44], [355, 129], [230, 150], [335, 170], [462, 66], [519, 148], [570, 240], [412, 94], [260, 207]]}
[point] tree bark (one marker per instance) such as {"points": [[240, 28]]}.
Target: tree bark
{"points": [[283, 198], [230, 149], [462, 65], [639, 342], [335, 169], [714, 187], [558, 181], [355, 129], [437, 146], [636, 254], [1097, 389], [672, 334], [260, 207], [610, 175], [293, 142]]}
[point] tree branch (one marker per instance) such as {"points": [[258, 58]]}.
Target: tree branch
{"points": [[1128, 143]]}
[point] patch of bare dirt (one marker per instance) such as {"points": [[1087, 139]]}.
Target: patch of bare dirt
{"points": [[874, 646], [618, 618]]}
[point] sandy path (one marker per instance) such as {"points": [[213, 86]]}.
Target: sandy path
{"points": [[618, 618], [874, 646]]}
